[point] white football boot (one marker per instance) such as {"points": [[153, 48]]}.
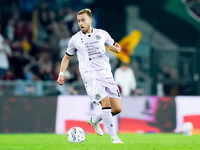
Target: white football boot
{"points": [[116, 140], [96, 126]]}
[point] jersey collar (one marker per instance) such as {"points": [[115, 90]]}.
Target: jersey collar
{"points": [[88, 33]]}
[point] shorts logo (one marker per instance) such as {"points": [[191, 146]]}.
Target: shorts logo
{"points": [[98, 37], [97, 96]]}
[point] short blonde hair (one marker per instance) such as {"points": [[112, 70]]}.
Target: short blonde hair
{"points": [[87, 11]]}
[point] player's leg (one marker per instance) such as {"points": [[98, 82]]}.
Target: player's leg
{"points": [[116, 106], [107, 116], [107, 119], [93, 89], [94, 121]]}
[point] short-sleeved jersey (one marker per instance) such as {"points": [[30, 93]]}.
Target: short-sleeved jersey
{"points": [[91, 53]]}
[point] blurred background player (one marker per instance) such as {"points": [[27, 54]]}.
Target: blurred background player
{"points": [[89, 45], [125, 79]]}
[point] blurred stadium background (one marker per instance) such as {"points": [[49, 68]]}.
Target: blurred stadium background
{"points": [[164, 56]]}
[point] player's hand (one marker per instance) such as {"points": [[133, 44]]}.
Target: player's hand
{"points": [[115, 48], [60, 79]]}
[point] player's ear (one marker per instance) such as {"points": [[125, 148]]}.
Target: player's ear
{"points": [[91, 19]]}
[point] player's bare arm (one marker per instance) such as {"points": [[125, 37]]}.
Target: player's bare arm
{"points": [[63, 67], [115, 48]]}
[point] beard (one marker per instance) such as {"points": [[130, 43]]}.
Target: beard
{"points": [[85, 29]]}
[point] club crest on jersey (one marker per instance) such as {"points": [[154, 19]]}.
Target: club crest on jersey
{"points": [[98, 37], [97, 96]]}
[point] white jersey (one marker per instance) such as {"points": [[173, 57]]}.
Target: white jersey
{"points": [[126, 85], [91, 53]]}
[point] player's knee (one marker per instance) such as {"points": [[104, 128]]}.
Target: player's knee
{"points": [[105, 102], [117, 110]]}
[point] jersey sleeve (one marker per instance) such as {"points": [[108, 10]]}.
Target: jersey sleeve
{"points": [[109, 40], [71, 48]]}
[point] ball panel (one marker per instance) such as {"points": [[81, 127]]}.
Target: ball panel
{"points": [[76, 135]]}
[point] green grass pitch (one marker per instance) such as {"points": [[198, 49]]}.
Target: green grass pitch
{"points": [[95, 142]]}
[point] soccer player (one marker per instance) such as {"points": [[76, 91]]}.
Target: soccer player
{"points": [[89, 45]]}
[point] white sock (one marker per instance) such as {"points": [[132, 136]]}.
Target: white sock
{"points": [[98, 117], [107, 118]]}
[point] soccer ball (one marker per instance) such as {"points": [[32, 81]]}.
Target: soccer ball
{"points": [[76, 135], [187, 128]]}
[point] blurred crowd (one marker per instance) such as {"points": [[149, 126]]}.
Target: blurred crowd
{"points": [[34, 36], [33, 41]]}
